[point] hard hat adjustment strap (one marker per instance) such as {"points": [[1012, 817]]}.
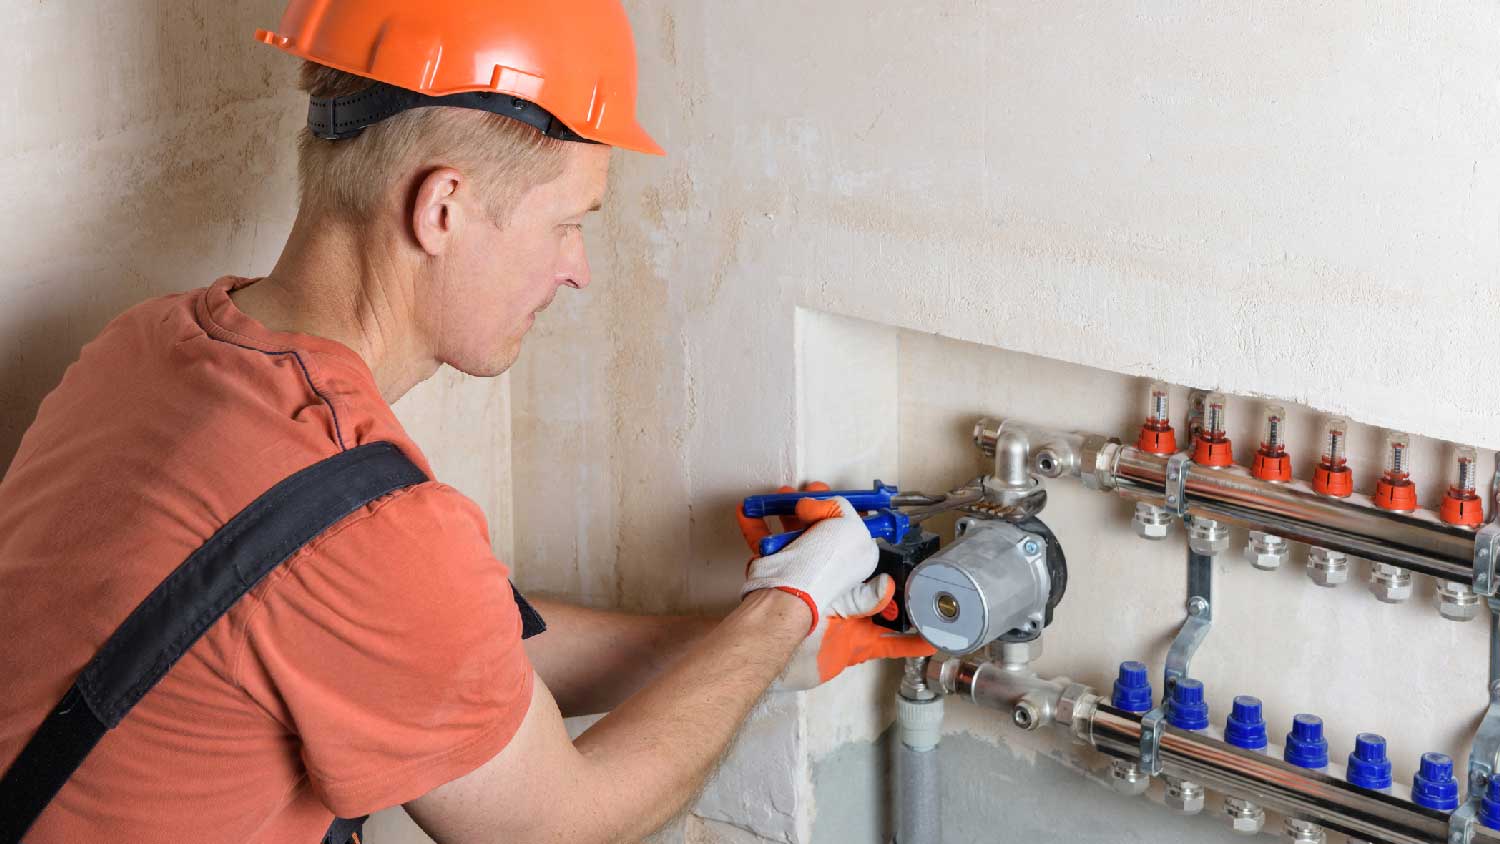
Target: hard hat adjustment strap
{"points": [[338, 118]]}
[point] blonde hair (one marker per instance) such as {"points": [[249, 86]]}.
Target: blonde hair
{"points": [[351, 177]]}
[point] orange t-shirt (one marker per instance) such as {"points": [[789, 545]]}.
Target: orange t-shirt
{"points": [[382, 660]]}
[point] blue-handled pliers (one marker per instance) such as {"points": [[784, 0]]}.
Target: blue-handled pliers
{"points": [[887, 522]]}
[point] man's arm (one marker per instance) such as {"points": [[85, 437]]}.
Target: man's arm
{"points": [[592, 660], [636, 768]]}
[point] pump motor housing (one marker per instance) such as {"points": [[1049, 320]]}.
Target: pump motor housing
{"points": [[991, 581]]}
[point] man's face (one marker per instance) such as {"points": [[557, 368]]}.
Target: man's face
{"points": [[497, 279]]}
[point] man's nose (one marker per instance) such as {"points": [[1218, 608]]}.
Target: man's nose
{"points": [[574, 270]]}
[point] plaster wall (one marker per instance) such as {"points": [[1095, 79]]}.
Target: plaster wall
{"points": [[146, 148], [1288, 200]]}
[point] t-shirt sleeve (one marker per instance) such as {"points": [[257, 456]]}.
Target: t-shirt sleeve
{"points": [[391, 649]]}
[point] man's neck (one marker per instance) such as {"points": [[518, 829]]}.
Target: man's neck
{"points": [[333, 283]]}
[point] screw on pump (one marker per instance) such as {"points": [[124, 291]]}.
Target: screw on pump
{"points": [[1395, 491], [1212, 447], [1332, 476], [1157, 436]]}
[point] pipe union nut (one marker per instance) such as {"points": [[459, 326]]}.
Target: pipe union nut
{"points": [[1391, 584], [1305, 832], [1182, 796], [1457, 602], [1245, 817], [1151, 522], [1127, 778], [1208, 537], [1326, 567], [1265, 551]]}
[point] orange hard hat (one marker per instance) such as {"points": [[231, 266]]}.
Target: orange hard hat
{"points": [[565, 67]]}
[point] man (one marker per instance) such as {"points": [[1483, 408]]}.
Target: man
{"points": [[454, 148]]}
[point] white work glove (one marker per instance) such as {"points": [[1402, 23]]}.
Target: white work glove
{"points": [[823, 565]]}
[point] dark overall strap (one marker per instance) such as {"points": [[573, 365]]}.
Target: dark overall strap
{"points": [[182, 608]]}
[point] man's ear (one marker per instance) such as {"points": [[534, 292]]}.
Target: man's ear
{"points": [[436, 215]]}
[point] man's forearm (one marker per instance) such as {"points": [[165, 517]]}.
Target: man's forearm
{"points": [[592, 660], [656, 749]]}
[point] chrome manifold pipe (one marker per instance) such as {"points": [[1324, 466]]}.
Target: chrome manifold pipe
{"points": [[1267, 780], [1417, 541], [1274, 784]]}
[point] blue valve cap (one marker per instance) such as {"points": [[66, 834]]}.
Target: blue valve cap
{"points": [[1132, 688], [1246, 727], [1368, 765], [1434, 786], [1188, 709], [1489, 805], [1305, 745]]}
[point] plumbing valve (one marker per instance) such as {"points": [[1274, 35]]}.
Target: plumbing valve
{"points": [[1306, 748], [1132, 693], [1132, 690], [1489, 804], [998, 579], [1395, 491], [1332, 478], [1271, 461], [1369, 767], [1267, 551], [1305, 745], [1434, 785], [1211, 448], [1152, 521], [1246, 728], [1461, 506], [1157, 436], [1187, 710]]}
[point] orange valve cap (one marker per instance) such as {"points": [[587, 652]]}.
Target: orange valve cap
{"points": [[1396, 496], [1272, 467], [1467, 511], [1334, 482]]}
